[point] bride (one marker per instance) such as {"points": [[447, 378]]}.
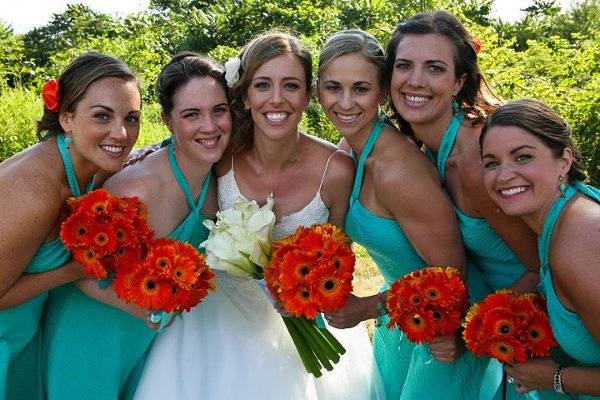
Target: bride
{"points": [[235, 344]]}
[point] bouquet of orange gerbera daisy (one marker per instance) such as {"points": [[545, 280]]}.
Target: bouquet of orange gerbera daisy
{"points": [[509, 327], [105, 232], [173, 277], [427, 303], [307, 272]]}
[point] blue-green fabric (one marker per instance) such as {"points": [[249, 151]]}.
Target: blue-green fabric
{"points": [[568, 328], [20, 338], [97, 352], [408, 371], [492, 265]]}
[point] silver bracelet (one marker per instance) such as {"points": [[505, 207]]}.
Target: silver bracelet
{"points": [[558, 385]]}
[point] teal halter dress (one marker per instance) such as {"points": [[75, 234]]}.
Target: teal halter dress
{"points": [[20, 338], [408, 370], [97, 352], [492, 265], [568, 328]]}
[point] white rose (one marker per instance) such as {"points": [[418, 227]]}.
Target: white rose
{"points": [[232, 71]]}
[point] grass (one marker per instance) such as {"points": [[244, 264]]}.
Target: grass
{"points": [[367, 279]]}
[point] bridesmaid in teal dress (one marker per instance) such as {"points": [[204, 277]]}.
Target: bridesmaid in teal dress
{"points": [[533, 170], [440, 98], [96, 345], [386, 215], [77, 144]]}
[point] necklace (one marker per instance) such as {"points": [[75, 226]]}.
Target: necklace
{"points": [[274, 182]]}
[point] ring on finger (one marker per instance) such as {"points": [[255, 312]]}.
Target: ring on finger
{"points": [[510, 380]]}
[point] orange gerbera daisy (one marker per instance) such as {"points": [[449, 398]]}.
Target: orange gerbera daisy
{"points": [[539, 338], [95, 202], [125, 233], [296, 265], [93, 265], [161, 256], [123, 282], [102, 239], [299, 302], [507, 351], [418, 326], [446, 322], [149, 290], [75, 230], [330, 292], [343, 259], [499, 323], [473, 333]]}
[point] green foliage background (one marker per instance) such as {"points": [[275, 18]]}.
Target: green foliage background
{"points": [[550, 55]]}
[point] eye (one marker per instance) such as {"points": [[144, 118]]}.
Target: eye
{"points": [[261, 85], [132, 119], [220, 110], [436, 69], [191, 115], [361, 89], [333, 88], [523, 158], [490, 164], [292, 86], [102, 116], [402, 66]]}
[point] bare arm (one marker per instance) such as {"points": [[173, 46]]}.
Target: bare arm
{"points": [[337, 187]]}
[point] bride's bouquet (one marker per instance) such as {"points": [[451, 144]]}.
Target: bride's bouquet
{"points": [[306, 273]]}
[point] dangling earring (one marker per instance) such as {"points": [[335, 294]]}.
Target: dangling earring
{"points": [[562, 186], [455, 106], [68, 140]]}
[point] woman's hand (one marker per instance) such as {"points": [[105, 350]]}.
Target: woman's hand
{"points": [[534, 374], [356, 310], [447, 348]]}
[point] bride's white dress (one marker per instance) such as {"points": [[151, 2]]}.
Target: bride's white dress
{"points": [[234, 345]]}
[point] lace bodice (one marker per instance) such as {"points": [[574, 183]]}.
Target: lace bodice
{"points": [[315, 212]]}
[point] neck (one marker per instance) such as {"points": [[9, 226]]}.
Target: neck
{"points": [[358, 142], [536, 220], [193, 170], [275, 155], [431, 133]]}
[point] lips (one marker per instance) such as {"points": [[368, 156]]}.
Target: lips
{"points": [[112, 149], [416, 100], [513, 191], [276, 117], [346, 117], [209, 143]]}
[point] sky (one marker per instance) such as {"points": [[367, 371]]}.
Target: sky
{"points": [[23, 15]]}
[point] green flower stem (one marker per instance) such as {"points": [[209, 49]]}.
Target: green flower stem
{"points": [[306, 355], [321, 348], [333, 341]]}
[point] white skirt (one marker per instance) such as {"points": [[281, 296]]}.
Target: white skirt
{"points": [[235, 345]]}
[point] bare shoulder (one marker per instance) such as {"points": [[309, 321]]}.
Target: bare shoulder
{"points": [[143, 179], [341, 165], [224, 164], [396, 160]]}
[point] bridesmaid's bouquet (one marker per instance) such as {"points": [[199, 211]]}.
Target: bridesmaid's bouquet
{"points": [[509, 327], [306, 273], [111, 238], [105, 233], [427, 303]]}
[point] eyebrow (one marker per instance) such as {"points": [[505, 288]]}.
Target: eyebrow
{"points": [[266, 78], [513, 151], [426, 61], [197, 109], [102, 106]]}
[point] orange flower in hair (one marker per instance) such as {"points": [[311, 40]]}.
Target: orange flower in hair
{"points": [[50, 95], [477, 46]]}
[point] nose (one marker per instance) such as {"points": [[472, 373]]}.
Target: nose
{"points": [[415, 77], [118, 131], [505, 172], [207, 125], [346, 100], [276, 95]]}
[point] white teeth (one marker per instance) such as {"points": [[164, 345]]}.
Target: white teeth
{"points": [[112, 149], [209, 143], [416, 99], [346, 117], [513, 191], [276, 117]]}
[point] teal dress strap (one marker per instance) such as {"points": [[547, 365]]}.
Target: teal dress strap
{"points": [[360, 169], [184, 185], [550, 222], [69, 170], [447, 143]]}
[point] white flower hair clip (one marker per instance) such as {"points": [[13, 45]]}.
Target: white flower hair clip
{"points": [[232, 70]]}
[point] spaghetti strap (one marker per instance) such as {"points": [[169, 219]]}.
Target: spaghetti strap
{"points": [[360, 168], [68, 165], [325, 171]]}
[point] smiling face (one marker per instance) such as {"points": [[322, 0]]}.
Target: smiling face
{"points": [[521, 173], [424, 78], [200, 119], [350, 94], [105, 123], [277, 96]]}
